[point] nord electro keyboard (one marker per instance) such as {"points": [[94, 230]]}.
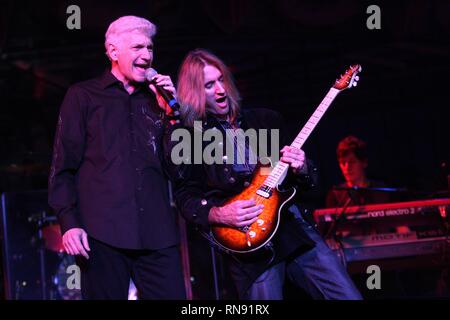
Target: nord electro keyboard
{"points": [[385, 210], [382, 231]]}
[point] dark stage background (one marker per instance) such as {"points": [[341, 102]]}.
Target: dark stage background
{"points": [[285, 55]]}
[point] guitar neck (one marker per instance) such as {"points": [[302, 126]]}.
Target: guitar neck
{"points": [[279, 172], [314, 119]]}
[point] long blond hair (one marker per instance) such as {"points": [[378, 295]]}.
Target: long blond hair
{"points": [[191, 86]]}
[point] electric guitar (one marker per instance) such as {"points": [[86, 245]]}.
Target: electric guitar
{"points": [[265, 187]]}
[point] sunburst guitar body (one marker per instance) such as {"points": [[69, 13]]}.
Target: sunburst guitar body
{"points": [[259, 233]]}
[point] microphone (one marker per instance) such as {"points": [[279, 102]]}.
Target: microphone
{"points": [[168, 97]]}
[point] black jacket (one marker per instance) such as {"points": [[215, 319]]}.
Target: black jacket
{"points": [[198, 187]]}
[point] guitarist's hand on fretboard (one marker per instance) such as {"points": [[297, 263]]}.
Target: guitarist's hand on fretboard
{"points": [[294, 157], [239, 213]]}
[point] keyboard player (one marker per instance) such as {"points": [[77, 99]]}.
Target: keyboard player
{"points": [[357, 189]]}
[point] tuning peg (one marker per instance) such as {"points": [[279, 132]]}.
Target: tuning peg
{"points": [[355, 83], [357, 78]]}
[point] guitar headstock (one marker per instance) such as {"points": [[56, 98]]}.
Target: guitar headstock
{"points": [[349, 78]]}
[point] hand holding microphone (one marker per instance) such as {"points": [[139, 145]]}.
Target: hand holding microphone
{"points": [[164, 90]]}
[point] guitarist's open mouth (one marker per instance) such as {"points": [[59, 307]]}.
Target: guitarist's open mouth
{"points": [[221, 100]]}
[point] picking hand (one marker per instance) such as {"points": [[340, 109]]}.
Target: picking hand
{"points": [[239, 213]]}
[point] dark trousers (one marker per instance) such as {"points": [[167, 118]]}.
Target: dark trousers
{"points": [[157, 274], [318, 271]]}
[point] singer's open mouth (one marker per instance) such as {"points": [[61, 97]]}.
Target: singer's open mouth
{"points": [[141, 67]]}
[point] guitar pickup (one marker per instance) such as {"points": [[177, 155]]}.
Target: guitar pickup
{"points": [[264, 193]]}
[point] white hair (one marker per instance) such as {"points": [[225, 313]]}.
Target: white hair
{"points": [[127, 24]]}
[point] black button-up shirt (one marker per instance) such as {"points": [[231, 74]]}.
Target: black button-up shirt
{"points": [[107, 173]]}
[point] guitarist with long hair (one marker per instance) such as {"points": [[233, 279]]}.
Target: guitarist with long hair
{"points": [[296, 251]]}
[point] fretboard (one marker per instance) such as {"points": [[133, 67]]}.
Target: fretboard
{"points": [[280, 170]]}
